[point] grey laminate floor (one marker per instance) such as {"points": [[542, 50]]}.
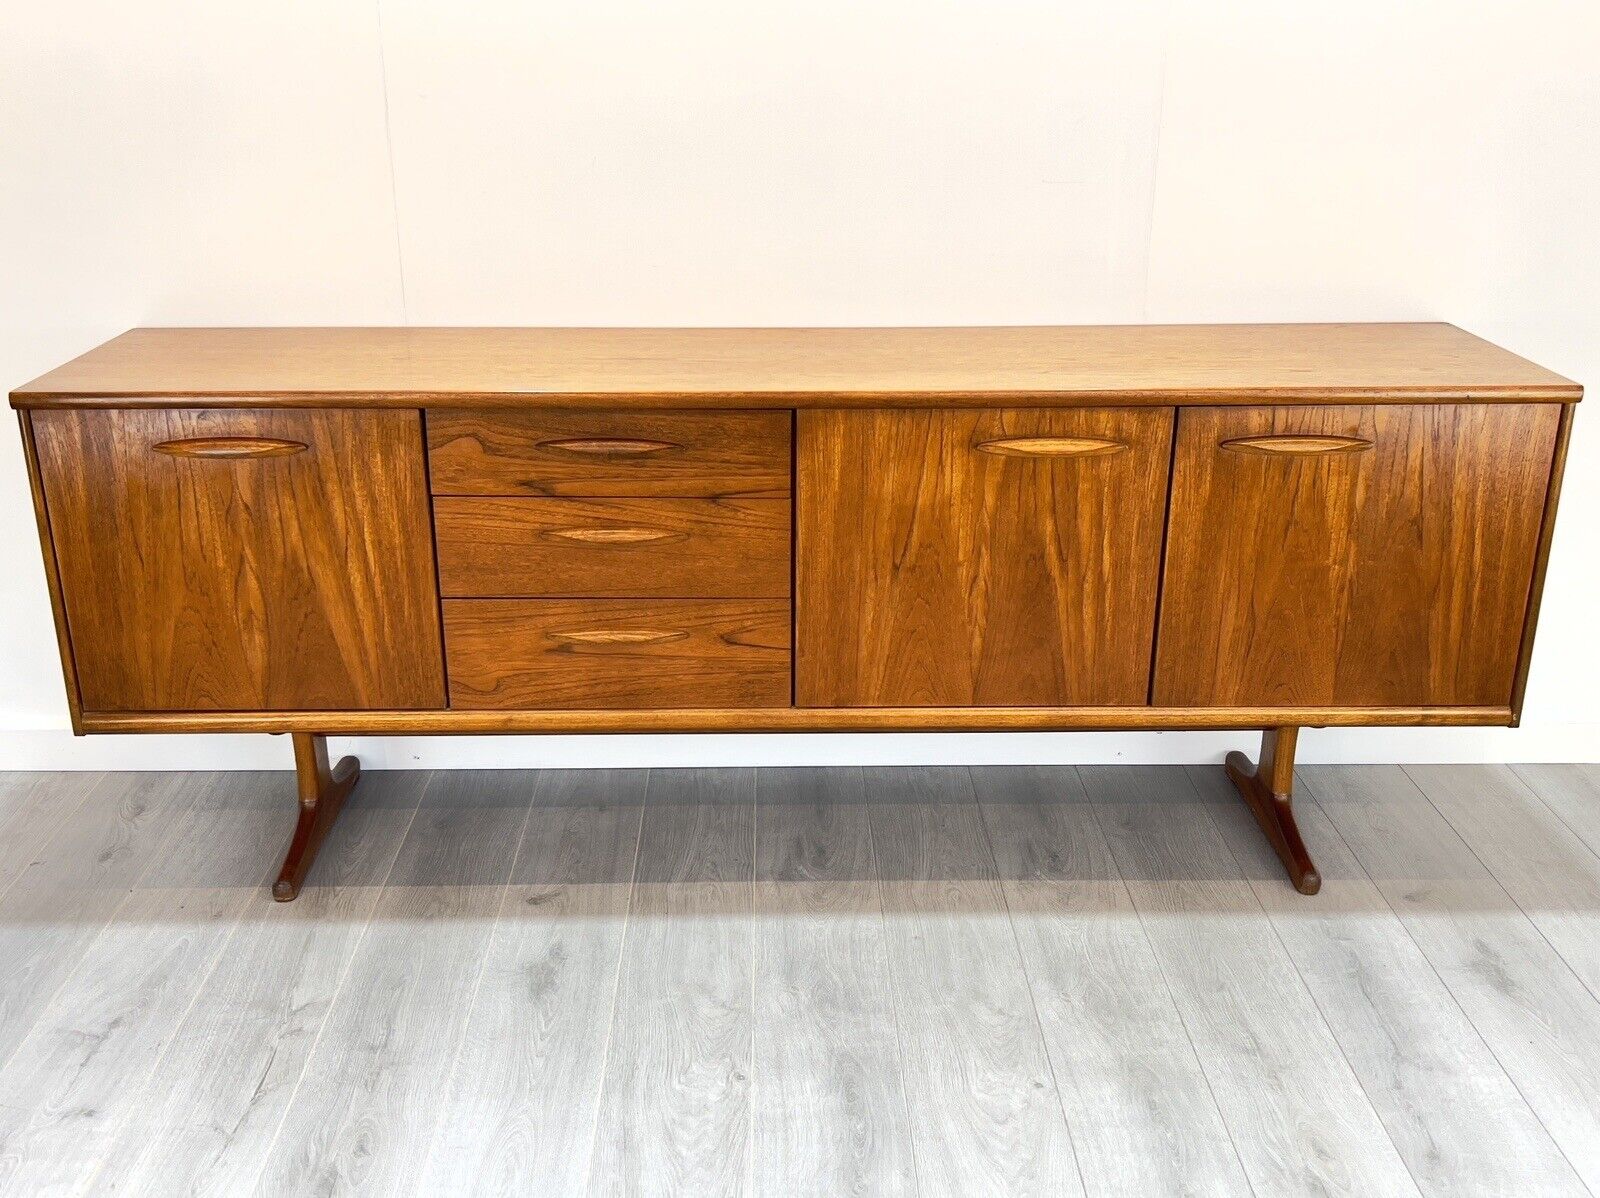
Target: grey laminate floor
{"points": [[934, 981]]}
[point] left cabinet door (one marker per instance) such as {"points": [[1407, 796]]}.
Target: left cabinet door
{"points": [[244, 560]]}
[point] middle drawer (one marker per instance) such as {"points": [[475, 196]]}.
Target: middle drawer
{"points": [[613, 548]]}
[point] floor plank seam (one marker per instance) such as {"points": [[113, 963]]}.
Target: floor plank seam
{"points": [[1494, 876], [1166, 982], [338, 989], [899, 1035], [1567, 823], [616, 981], [61, 822], [1027, 978], [465, 1020], [1300, 976], [1311, 798]]}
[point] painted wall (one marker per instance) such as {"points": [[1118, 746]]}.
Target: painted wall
{"points": [[802, 162]]}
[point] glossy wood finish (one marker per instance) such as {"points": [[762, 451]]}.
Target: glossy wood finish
{"points": [[322, 795], [294, 582], [230, 447], [932, 572], [797, 719], [674, 548], [1267, 786], [608, 453], [1558, 468], [783, 368], [616, 653], [1395, 576], [52, 571]]}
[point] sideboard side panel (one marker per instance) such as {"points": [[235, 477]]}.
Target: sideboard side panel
{"points": [[282, 579], [953, 558], [1351, 555]]}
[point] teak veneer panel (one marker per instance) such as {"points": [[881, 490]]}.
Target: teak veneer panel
{"points": [[610, 453], [1006, 558], [600, 653], [253, 583], [1392, 575], [978, 367], [674, 548]]}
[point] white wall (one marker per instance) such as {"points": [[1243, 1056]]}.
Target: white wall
{"points": [[801, 162]]}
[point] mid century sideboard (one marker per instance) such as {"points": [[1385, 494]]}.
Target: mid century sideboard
{"points": [[406, 530]]}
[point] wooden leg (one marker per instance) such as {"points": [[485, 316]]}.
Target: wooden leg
{"points": [[322, 794], [1267, 787]]}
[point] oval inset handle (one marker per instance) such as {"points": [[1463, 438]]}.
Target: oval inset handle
{"points": [[608, 447], [1050, 447], [229, 447], [620, 636], [1297, 444], [615, 536]]}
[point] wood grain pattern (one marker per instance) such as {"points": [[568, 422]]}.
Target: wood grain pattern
{"points": [[532, 453], [674, 1114], [1299, 1118], [932, 574], [797, 719], [52, 572], [1396, 576], [410, 367], [1142, 1115], [1532, 1010], [286, 582], [230, 447], [1541, 563], [827, 1039], [625, 548], [540, 1024], [986, 1117], [597, 653], [1395, 1020]]}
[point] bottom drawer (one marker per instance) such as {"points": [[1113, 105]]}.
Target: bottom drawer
{"points": [[615, 653]]}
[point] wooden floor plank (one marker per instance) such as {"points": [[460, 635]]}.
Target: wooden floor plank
{"points": [[1572, 792], [1141, 1111], [675, 1107], [77, 1080], [830, 1107], [519, 1114], [1534, 1013], [32, 807], [985, 1114], [214, 1104], [1300, 1119], [1399, 1026], [363, 1115], [1541, 863], [62, 901]]}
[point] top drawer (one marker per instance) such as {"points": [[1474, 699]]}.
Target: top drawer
{"points": [[600, 453]]}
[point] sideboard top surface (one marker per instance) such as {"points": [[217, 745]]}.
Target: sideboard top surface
{"points": [[772, 367]]}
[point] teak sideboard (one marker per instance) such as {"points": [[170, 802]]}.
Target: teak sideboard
{"points": [[406, 530]]}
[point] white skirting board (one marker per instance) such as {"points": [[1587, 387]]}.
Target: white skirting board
{"points": [[53, 749]]}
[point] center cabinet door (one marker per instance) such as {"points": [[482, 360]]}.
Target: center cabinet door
{"points": [[994, 558]]}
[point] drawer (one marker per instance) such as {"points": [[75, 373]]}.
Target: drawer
{"points": [[617, 653], [624, 548], [581, 453]]}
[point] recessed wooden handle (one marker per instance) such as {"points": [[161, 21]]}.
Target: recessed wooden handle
{"points": [[608, 447], [615, 536], [1297, 445], [229, 447], [620, 636], [1050, 447]]}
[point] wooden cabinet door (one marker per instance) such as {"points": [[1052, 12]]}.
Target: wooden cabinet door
{"points": [[1351, 556], [244, 560], [1000, 558]]}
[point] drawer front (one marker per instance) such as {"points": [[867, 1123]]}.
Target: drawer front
{"points": [[684, 454], [565, 654], [1351, 556], [244, 560], [952, 558], [624, 548]]}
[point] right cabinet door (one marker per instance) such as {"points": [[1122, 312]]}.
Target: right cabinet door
{"points": [[1351, 556]]}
